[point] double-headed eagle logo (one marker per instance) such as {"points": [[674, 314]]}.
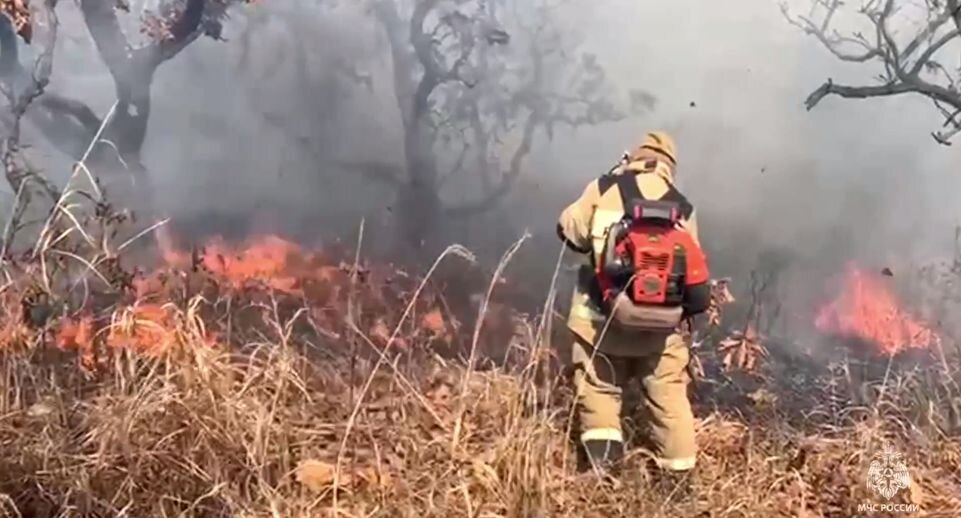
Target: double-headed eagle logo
{"points": [[888, 474]]}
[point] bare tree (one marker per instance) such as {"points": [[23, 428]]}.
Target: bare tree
{"points": [[474, 82], [914, 43], [70, 124], [37, 24]]}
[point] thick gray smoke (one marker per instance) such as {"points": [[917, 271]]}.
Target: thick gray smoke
{"points": [[260, 122]]}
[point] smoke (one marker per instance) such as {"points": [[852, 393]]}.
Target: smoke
{"points": [[776, 186], [750, 151], [258, 124], [849, 180]]}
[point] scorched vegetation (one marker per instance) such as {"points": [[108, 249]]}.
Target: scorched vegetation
{"points": [[262, 378]]}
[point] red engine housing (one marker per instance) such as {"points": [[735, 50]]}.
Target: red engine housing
{"points": [[651, 253]]}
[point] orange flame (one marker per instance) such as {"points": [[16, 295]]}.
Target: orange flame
{"points": [[866, 309], [77, 334], [144, 322], [146, 329], [266, 260]]}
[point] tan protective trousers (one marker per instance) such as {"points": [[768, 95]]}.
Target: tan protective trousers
{"points": [[600, 380]]}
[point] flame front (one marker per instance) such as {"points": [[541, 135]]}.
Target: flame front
{"points": [[261, 271], [267, 260], [866, 309], [151, 328]]}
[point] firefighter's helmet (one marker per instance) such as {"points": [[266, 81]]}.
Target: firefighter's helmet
{"points": [[661, 143]]}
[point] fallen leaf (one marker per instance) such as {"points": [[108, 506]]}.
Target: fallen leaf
{"points": [[316, 475]]}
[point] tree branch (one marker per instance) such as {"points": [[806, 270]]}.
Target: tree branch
{"points": [[16, 169], [10, 67], [423, 45], [831, 43], [44, 17], [507, 180], [932, 49], [114, 48], [535, 118], [67, 124], [483, 145], [944, 137], [403, 65], [108, 37], [855, 92], [182, 33], [458, 165], [581, 101], [928, 32], [77, 110], [902, 72], [954, 7]]}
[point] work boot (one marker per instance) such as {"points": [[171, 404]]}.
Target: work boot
{"points": [[602, 455]]}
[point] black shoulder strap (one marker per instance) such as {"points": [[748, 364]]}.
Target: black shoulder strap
{"points": [[674, 195], [626, 182], [627, 185], [605, 182]]}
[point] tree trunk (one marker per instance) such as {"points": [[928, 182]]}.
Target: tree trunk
{"points": [[128, 129], [420, 205]]}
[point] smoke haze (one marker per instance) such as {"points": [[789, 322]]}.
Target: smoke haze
{"points": [[260, 122]]}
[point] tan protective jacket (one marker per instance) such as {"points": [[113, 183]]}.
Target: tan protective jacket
{"points": [[583, 224]]}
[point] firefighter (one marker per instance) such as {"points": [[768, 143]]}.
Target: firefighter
{"points": [[606, 358]]}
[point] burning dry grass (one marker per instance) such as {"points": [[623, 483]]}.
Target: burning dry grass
{"points": [[261, 379], [208, 432], [227, 418]]}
